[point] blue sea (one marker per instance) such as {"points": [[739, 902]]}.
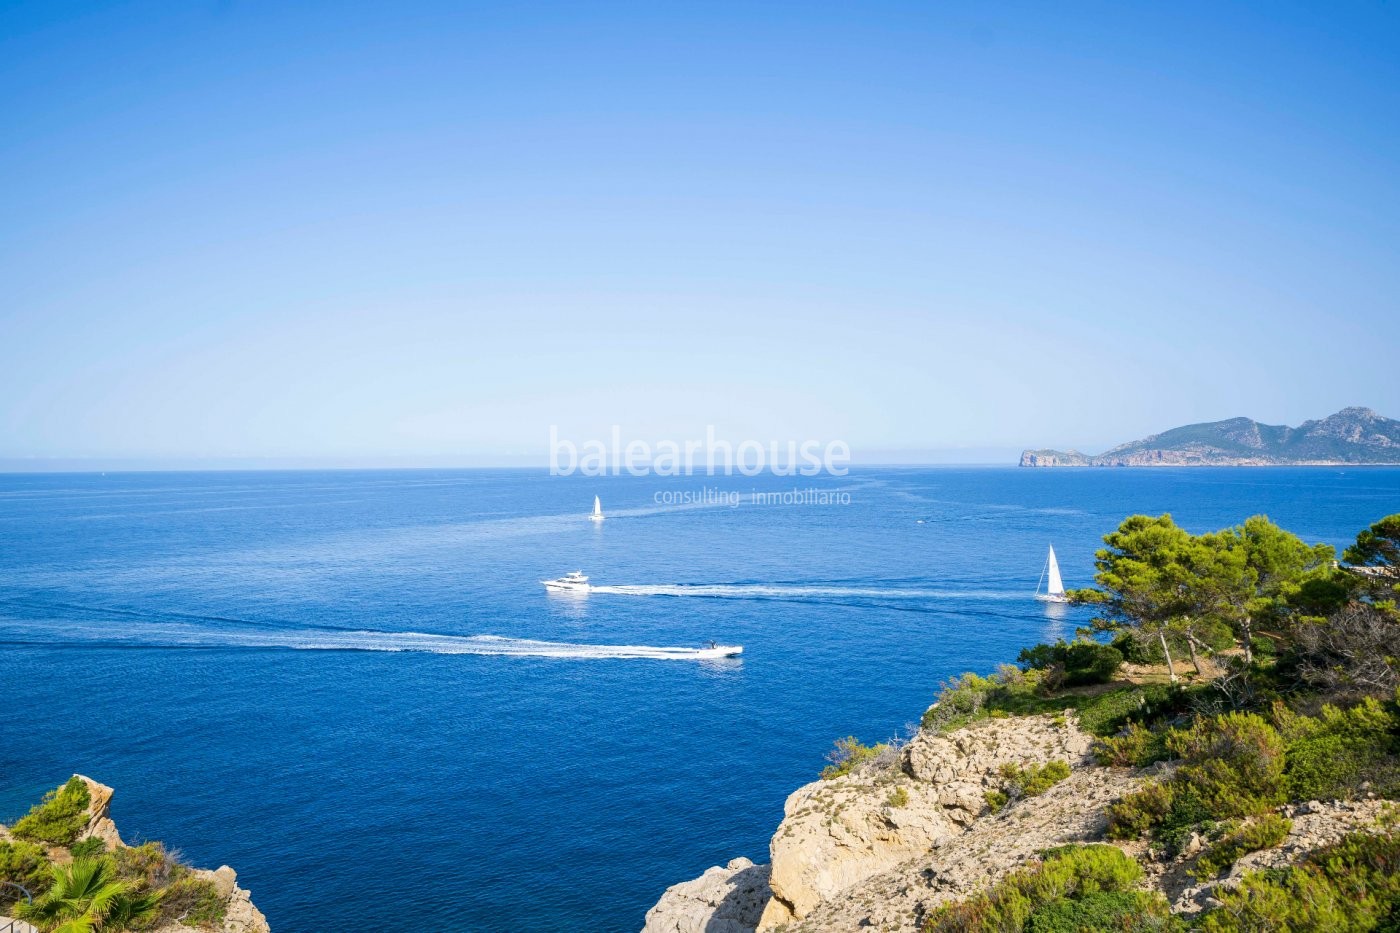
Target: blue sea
{"points": [[287, 672]]}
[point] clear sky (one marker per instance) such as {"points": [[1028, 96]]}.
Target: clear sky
{"points": [[429, 231]]}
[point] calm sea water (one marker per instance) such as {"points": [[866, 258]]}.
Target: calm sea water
{"points": [[215, 646]]}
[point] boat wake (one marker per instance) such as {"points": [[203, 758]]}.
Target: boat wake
{"points": [[787, 591], [322, 639]]}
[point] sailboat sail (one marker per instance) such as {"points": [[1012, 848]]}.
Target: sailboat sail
{"points": [[1057, 586], [597, 515]]}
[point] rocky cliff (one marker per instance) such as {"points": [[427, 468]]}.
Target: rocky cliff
{"points": [[239, 914], [880, 848], [1351, 436]]}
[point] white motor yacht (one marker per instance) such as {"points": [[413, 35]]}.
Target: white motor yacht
{"points": [[574, 582]]}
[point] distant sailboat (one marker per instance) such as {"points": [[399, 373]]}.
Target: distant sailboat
{"points": [[597, 515], [1055, 592]]}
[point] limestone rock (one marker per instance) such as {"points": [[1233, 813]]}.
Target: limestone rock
{"points": [[240, 916], [901, 896], [100, 825], [837, 834], [722, 900]]}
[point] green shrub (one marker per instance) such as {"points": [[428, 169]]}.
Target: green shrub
{"points": [[1136, 747], [59, 818], [1070, 882], [848, 755], [24, 864], [898, 797], [1169, 810], [1137, 812], [1333, 754], [192, 900], [91, 847], [996, 799], [1353, 885], [151, 869], [959, 700], [1108, 713], [1187, 814], [147, 866], [1233, 761], [1079, 662], [1264, 833], [1122, 911], [1088, 662], [1031, 780]]}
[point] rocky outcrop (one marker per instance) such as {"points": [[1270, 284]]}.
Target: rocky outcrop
{"points": [[900, 897], [240, 916], [1315, 824], [1050, 458], [840, 837], [722, 900], [100, 825], [882, 848], [837, 834]]}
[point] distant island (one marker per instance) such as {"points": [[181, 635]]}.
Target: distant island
{"points": [[1353, 436]]}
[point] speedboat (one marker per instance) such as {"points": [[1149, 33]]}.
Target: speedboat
{"points": [[574, 582], [714, 650]]}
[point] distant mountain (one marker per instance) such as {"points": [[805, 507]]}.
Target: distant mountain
{"points": [[1351, 436]]}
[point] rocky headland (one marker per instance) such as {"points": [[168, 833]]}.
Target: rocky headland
{"points": [[855, 854], [1352, 436], [193, 900]]}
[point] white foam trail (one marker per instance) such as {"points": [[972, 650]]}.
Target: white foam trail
{"points": [[762, 590], [177, 635]]}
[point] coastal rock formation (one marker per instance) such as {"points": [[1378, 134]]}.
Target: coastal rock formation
{"points": [[1351, 436], [100, 825], [900, 897], [1050, 458], [722, 900], [1315, 824], [881, 848], [837, 834], [240, 915]]}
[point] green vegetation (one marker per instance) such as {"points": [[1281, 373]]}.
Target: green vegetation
{"points": [[1025, 781], [1073, 888], [1032, 780], [1135, 747], [1072, 664], [1297, 698], [1335, 753], [1233, 767], [87, 895], [59, 818], [1011, 691], [898, 797], [86, 888], [1233, 762], [24, 864], [91, 847], [1351, 886], [1264, 833], [848, 755]]}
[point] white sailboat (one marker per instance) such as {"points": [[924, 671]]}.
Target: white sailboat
{"points": [[1055, 591], [597, 515]]}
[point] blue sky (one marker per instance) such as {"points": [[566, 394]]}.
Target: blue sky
{"points": [[427, 232]]}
